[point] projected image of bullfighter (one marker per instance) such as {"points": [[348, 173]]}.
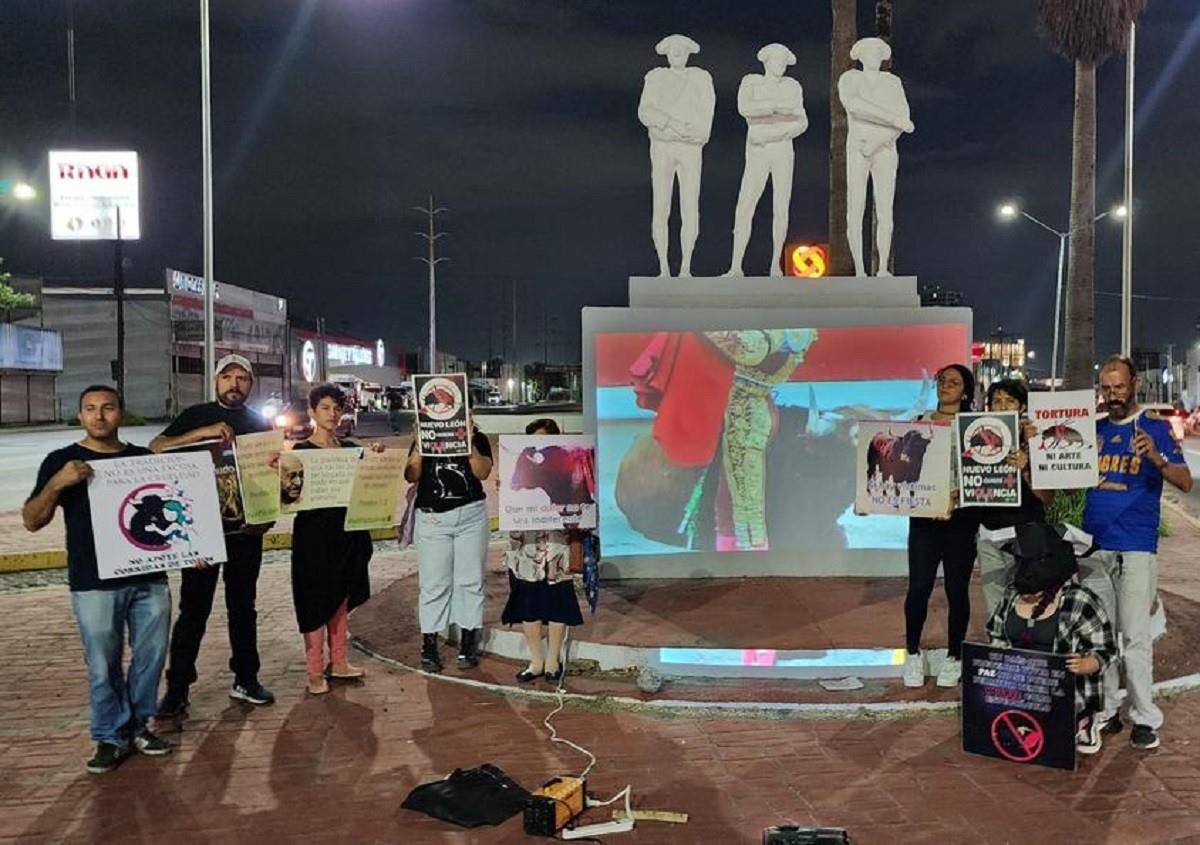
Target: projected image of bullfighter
{"points": [[762, 358], [567, 475]]}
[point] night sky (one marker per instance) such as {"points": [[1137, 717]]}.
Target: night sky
{"points": [[333, 118]]}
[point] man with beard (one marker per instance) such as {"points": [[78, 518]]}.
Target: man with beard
{"points": [[1136, 452], [122, 704], [223, 420]]}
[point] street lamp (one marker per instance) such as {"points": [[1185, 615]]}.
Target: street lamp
{"points": [[1010, 211], [24, 191]]}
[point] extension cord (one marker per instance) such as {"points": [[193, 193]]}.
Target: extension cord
{"points": [[623, 826]]}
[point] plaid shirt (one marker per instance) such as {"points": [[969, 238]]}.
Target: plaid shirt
{"points": [[1083, 629]]}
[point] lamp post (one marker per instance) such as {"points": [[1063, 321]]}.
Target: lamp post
{"points": [[210, 359], [1010, 211]]}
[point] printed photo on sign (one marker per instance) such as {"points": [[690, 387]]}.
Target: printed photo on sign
{"points": [[903, 468], [443, 418], [1062, 456], [1018, 706], [984, 445], [547, 482], [154, 513], [316, 478], [225, 471]]}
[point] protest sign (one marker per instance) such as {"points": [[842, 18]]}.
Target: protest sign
{"points": [[376, 490], [155, 512], [547, 482], [443, 418], [1062, 455], [229, 492], [257, 476], [316, 478], [982, 446], [1018, 705], [903, 468]]}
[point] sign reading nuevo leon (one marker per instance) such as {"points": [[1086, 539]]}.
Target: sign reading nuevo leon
{"points": [[443, 418]]}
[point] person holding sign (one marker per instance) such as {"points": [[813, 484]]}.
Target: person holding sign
{"points": [[948, 541], [1047, 609], [222, 419], [1137, 453], [996, 564], [121, 703], [329, 564], [451, 537], [541, 588]]}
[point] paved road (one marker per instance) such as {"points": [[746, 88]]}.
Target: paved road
{"points": [[1191, 502]]}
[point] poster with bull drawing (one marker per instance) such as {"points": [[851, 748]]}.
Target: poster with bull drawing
{"points": [[443, 416], [903, 468], [984, 445], [547, 482], [1062, 455]]}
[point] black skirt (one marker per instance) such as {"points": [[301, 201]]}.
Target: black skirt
{"points": [[541, 601], [329, 566]]}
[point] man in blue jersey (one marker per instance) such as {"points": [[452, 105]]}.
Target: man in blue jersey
{"points": [[1137, 452]]}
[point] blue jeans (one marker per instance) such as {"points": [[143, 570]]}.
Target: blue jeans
{"points": [[121, 705], [451, 551]]}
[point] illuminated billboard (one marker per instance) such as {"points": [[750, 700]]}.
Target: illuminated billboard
{"points": [[93, 195]]}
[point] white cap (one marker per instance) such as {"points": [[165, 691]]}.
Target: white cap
{"points": [[233, 360]]}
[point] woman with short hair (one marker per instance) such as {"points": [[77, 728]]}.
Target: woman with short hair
{"points": [[329, 563]]}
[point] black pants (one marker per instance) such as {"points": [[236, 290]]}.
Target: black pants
{"points": [[195, 605], [951, 543]]}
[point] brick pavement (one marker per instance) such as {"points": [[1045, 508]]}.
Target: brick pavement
{"points": [[334, 769]]}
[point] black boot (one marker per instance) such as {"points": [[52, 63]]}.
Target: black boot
{"points": [[431, 661], [468, 651]]}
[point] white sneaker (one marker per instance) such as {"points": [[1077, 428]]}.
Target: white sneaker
{"points": [[914, 670], [951, 672], [1088, 740]]}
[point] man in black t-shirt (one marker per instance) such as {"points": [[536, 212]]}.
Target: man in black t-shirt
{"points": [[121, 704], [223, 419]]}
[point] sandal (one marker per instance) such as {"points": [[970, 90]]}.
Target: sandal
{"points": [[346, 672], [317, 685]]}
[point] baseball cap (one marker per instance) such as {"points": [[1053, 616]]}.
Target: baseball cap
{"points": [[231, 360]]}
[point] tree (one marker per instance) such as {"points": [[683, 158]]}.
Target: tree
{"points": [[11, 299], [1086, 32], [845, 33]]}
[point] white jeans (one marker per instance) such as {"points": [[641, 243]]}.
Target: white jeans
{"points": [[451, 551], [996, 570], [1127, 583]]}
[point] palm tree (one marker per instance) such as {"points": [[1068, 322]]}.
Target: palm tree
{"points": [[845, 33], [1086, 32]]}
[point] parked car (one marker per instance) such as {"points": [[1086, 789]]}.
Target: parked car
{"points": [[297, 425]]}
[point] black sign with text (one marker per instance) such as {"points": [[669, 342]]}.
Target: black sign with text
{"points": [[1018, 705]]}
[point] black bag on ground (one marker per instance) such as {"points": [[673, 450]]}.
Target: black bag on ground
{"points": [[470, 797]]}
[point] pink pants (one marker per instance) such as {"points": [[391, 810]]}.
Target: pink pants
{"points": [[314, 641]]}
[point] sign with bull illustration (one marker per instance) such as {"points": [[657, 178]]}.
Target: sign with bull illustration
{"points": [[903, 468], [547, 482], [443, 417], [1062, 455], [984, 449]]}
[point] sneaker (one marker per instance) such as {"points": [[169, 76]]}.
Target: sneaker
{"points": [[1088, 740], [1143, 737], [951, 672], [108, 756], [150, 744], [1112, 725], [254, 692], [914, 670], [173, 705]]}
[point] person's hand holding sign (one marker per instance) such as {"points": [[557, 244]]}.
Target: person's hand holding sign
{"points": [[72, 473], [1087, 664]]}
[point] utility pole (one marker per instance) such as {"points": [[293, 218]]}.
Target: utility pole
{"points": [[119, 294], [1127, 231], [206, 167], [432, 261]]}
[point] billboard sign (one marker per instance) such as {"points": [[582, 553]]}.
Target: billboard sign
{"points": [[88, 190]]}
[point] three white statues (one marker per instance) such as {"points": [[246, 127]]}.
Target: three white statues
{"points": [[677, 106]]}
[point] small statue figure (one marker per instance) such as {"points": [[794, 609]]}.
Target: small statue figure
{"points": [[877, 113], [773, 105], [677, 108]]}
